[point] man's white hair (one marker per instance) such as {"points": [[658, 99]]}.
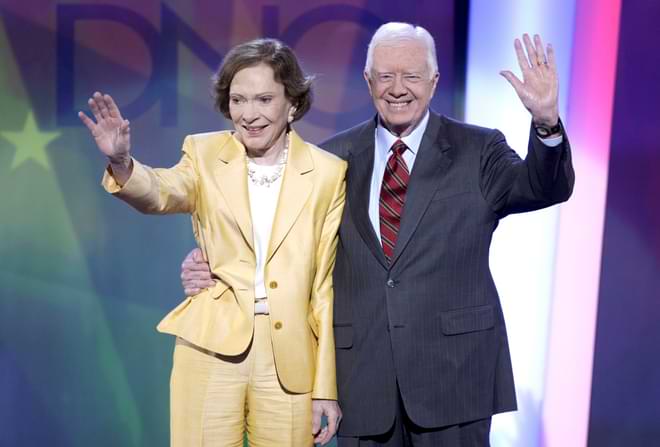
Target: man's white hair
{"points": [[394, 32]]}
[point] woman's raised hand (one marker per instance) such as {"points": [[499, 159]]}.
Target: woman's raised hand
{"points": [[111, 132]]}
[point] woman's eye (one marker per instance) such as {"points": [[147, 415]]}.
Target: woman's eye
{"points": [[265, 99], [235, 100]]}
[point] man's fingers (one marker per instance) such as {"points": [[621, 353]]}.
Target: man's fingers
{"points": [[523, 63], [552, 63], [540, 53], [196, 286], [194, 260], [191, 292], [195, 266], [513, 80], [531, 52], [189, 256], [191, 275], [197, 255]]}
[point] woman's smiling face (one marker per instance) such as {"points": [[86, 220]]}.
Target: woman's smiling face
{"points": [[258, 108]]}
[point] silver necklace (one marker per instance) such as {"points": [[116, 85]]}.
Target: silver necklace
{"points": [[263, 178]]}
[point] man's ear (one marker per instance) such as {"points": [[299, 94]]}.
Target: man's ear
{"points": [[368, 79], [436, 79]]}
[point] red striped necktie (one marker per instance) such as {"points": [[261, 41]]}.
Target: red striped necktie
{"points": [[392, 197]]}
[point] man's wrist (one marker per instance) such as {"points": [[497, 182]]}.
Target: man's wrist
{"points": [[545, 131], [549, 118]]}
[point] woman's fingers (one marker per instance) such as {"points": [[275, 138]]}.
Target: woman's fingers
{"points": [[125, 127], [112, 106], [87, 121], [95, 110], [100, 103]]}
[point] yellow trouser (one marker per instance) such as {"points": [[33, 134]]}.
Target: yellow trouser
{"points": [[215, 399]]}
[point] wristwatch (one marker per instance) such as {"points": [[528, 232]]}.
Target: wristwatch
{"points": [[545, 131]]}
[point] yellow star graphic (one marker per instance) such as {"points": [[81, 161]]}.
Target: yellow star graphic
{"points": [[30, 143]]}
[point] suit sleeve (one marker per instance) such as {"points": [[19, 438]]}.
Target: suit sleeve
{"points": [[156, 190], [512, 185], [325, 383]]}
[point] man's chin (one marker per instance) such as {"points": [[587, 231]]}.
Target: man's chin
{"points": [[399, 126]]}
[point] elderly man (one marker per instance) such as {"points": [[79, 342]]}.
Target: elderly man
{"points": [[421, 345]]}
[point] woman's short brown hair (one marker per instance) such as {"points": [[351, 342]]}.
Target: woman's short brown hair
{"points": [[275, 54]]}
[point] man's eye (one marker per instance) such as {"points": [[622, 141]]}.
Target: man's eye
{"points": [[385, 78], [413, 78]]}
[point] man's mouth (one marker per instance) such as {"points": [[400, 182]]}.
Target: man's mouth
{"points": [[398, 105]]}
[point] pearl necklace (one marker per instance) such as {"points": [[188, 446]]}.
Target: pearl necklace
{"points": [[264, 178]]}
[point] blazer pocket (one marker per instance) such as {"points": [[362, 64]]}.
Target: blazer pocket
{"points": [[215, 291], [343, 336], [472, 319]]}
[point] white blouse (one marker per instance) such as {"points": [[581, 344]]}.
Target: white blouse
{"points": [[263, 203]]}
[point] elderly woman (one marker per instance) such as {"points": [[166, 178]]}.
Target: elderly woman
{"points": [[254, 353]]}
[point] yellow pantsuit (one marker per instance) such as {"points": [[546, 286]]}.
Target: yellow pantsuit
{"points": [[218, 337]]}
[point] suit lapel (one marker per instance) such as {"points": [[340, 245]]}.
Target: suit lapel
{"points": [[431, 163], [231, 177], [360, 167], [294, 192]]}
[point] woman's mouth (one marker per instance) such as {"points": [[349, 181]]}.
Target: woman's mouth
{"points": [[254, 130]]}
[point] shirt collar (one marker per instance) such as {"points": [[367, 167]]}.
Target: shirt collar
{"points": [[385, 139]]}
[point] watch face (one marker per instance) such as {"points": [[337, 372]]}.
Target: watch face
{"points": [[542, 131]]}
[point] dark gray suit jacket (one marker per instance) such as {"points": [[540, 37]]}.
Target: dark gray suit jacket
{"points": [[431, 323]]}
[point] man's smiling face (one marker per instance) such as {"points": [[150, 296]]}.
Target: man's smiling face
{"points": [[401, 84]]}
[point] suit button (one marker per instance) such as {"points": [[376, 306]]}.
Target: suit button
{"points": [[278, 325], [391, 283], [273, 285]]}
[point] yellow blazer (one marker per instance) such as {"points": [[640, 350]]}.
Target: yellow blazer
{"points": [[210, 183]]}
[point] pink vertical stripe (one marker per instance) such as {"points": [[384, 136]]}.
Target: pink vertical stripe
{"points": [[570, 352]]}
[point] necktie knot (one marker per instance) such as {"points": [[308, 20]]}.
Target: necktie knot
{"points": [[399, 147]]}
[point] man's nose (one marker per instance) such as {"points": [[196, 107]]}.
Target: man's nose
{"points": [[398, 89]]}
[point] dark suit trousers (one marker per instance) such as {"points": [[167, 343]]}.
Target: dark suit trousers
{"points": [[405, 433]]}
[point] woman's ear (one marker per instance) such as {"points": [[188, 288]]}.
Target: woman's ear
{"points": [[292, 113]]}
